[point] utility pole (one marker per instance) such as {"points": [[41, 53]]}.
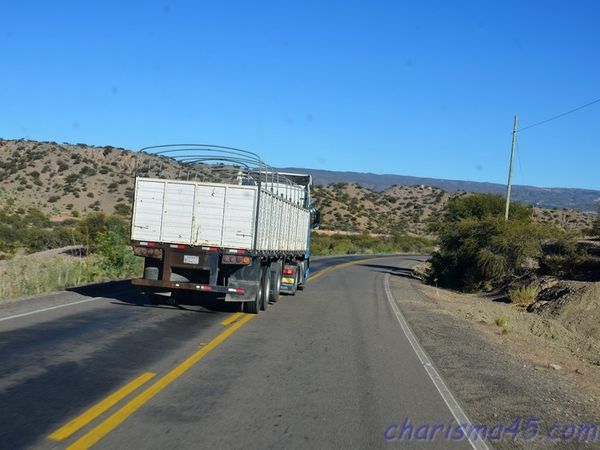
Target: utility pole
{"points": [[510, 167]]}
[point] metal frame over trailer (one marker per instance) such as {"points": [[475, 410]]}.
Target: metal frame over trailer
{"points": [[248, 239]]}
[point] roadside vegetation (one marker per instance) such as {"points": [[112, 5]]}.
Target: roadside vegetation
{"points": [[30, 230], [478, 249], [343, 244], [102, 254], [52, 195]]}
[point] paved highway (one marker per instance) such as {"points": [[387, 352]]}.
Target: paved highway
{"points": [[332, 367]]}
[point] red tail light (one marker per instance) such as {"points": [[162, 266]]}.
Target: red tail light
{"points": [[230, 259], [288, 271]]}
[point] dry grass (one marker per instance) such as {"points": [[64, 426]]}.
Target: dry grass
{"points": [[23, 276], [523, 295]]}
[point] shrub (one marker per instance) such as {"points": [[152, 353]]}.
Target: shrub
{"points": [[485, 206], [72, 178], [89, 229], [523, 295], [122, 209], [502, 322], [478, 248]]}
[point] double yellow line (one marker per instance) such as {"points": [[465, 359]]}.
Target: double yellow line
{"points": [[113, 421]]}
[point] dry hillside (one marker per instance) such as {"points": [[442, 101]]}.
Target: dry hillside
{"points": [[351, 207], [66, 180]]}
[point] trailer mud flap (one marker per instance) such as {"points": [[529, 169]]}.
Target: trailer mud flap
{"points": [[250, 289], [246, 278]]}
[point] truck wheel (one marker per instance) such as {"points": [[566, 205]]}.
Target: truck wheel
{"points": [[266, 288], [275, 274], [255, 305]]}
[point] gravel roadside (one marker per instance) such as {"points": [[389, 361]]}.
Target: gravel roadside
{"points": [[502, 380]]}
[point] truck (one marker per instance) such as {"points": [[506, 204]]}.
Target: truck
{"points": [[227, 225]]}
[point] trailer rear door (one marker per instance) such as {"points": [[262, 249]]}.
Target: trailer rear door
{"points": [[147, 210], [178, 213]]}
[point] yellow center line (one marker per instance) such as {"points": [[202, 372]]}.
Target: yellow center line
{"points": [[122, 414], [322, 272], [95, 411], [231, 318]]}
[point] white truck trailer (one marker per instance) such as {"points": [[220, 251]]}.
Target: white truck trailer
{"points": [[248, 240]]}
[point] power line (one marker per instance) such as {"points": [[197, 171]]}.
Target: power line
{"points": [[560, 115]]}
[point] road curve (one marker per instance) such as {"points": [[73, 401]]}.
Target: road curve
{"points": [[328, 368]]}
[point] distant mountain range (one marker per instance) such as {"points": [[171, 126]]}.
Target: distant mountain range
{"points": [[579, 199]]}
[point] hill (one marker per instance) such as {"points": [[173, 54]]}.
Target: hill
{"points": [[72, 180], [354, 208], [68, 180], [584, 200]]}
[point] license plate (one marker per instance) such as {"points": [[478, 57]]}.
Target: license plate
{"points": [[191, 259], [287, 280]]}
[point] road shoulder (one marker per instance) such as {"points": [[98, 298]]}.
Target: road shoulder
{"points": [[495, 383]]}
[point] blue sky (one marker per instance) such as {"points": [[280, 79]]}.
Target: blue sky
{"points": [[405, 87]]}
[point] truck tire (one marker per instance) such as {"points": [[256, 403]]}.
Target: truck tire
{"points": [[266, 288], [255, 305], [275, 273]]}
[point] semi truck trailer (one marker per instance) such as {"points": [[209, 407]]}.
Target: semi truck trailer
{"points": [[245, 236]]}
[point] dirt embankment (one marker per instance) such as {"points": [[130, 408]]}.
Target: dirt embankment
{"points": [[564, 313], [569, 312]]}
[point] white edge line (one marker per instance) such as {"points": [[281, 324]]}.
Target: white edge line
{"points": [[456, 410], [37, 311]]}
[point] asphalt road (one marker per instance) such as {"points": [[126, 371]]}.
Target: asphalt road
{"points": [[328, 368]]}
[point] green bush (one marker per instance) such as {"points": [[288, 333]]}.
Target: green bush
{"points": [[93, 225], [32, 231], [115, 253], [478, 248], [485, 206], [122, 209]]}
